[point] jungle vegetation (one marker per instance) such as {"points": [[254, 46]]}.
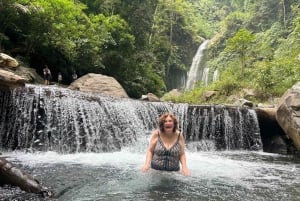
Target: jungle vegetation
{"points": [[145, 44]]}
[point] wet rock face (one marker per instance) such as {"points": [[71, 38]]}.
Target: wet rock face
{"points": [[273, 137], [288, 114]]}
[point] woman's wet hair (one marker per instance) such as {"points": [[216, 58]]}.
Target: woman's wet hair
{"points": [[161, 121]]}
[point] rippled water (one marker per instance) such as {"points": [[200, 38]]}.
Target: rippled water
{"points": [[116, 176]]}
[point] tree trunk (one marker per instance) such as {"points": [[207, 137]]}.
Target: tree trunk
{"points": [[153, 24], [16, 177], [284, 14]]}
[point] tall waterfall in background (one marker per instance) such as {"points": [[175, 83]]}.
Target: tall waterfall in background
{"points": [[216, 75], [205, 76], [47, 118], [195, 73]]}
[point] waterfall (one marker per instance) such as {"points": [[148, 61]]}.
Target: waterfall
{"points": [[205, 76], [196, 70], [216, 75], [47, 118], [222, 128]]}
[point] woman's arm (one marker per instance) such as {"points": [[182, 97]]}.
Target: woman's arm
{"points": [[150, 151], [185, 171]]}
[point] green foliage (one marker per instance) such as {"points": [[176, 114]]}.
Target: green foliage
{"points": [[270, 75], [265, 78], [175, 28], [228, 84], [63, 25], [106, 7], [253, 49], [289, 47], [143, 44], [241, 44], [265, 13], [235, 21], [192, 97], [141, 78], [193, 19], [267, 42], [119, 46]]}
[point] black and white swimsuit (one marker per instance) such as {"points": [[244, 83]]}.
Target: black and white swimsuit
{"points": [[166, 159]]}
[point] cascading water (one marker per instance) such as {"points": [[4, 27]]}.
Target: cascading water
{"points": [[92, 147], [52, 119], [195, 73], [48, 118], [205, 76], [216, 75], [222, 128]]}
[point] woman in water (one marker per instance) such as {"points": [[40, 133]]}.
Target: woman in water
{"points": [[166, 148]]}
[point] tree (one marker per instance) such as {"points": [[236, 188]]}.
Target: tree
{"points": [[241, 44], [11, 12]]}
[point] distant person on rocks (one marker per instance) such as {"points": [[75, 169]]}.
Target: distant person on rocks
{"points": [[166, 147], [47, 75], [74, 76], [59, 78]]}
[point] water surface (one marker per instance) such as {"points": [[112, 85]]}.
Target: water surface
{"points": [[235, 175]]}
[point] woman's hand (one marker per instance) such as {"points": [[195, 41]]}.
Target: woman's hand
{"points": [[186, 172], [145, 168]]}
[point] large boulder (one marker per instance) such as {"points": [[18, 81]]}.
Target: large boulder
{"points": [[97, 83], [29, 75], [288, 114], [8, 61], [10, 80]]}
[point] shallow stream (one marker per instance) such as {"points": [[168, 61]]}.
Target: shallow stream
{"points": [[116, 176]]}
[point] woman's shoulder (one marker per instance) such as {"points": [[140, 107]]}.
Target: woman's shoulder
{"points": [[180, 135], [155, 133], [154, 137], [178, 132]]}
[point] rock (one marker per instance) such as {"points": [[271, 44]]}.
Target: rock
{"points": [[288, 114], [170, 94], [8, 61], [249, 93], [208, 95], [29, 75], [9, 80], [262, 105], [243, 102], [144, 97], [150, 97], [97, 83], [273, 137]]}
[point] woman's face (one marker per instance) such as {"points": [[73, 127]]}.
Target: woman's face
{"points": [[168, 125]]}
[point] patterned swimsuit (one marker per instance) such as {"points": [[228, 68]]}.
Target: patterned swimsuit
{"points": [[164, 159]]}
